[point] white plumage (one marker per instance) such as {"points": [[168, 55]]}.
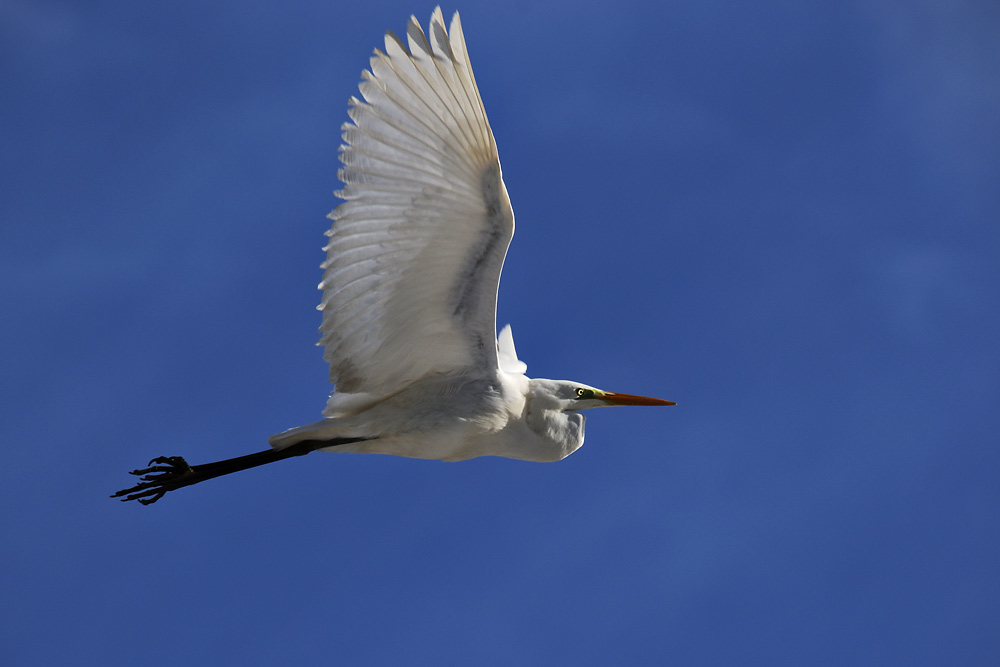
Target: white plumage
{"points": [[416, 248], [412, 270], [410, 286]]}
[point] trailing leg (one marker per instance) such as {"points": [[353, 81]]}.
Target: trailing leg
{"points": [[166, 473]]}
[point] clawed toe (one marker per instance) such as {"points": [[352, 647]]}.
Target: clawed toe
{"points": [[165, 473], [172, 465]]}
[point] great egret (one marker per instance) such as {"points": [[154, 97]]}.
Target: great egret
{"points": [[410, 286]]}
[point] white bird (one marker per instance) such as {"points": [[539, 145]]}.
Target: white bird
{"points": [[410, 286]]}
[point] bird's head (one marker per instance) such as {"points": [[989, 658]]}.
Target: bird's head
{"points": [[573, 396], [552, 412]]}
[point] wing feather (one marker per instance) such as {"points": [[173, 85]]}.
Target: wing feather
{"points": [[417, 246]]}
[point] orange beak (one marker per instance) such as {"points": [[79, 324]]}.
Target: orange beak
{"points": [[611, 398]]}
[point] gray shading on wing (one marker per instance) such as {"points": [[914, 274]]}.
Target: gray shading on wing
{"points": [[417, 247]]}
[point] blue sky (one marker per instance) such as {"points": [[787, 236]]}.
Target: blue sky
{"points": [[781, 215]]}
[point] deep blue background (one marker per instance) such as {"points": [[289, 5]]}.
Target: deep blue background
{"points": [[782, 215]]}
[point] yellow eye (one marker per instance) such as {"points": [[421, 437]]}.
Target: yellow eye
{"points": [[583, 393]]}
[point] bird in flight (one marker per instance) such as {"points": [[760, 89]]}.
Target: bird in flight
{"points": [[410, 287]]}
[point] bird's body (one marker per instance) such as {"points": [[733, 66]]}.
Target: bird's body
{"points": [[410, 286], [453, 418]]}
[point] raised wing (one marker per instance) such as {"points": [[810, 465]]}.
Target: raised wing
{"points": [[416, 249]]}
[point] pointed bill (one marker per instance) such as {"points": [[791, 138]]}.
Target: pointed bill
{"points": [[612, 398]]}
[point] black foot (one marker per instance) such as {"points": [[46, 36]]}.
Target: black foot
{"points": [[168, 473]]}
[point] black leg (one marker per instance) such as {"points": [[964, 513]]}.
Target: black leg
{"points": [[166, 473]]}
